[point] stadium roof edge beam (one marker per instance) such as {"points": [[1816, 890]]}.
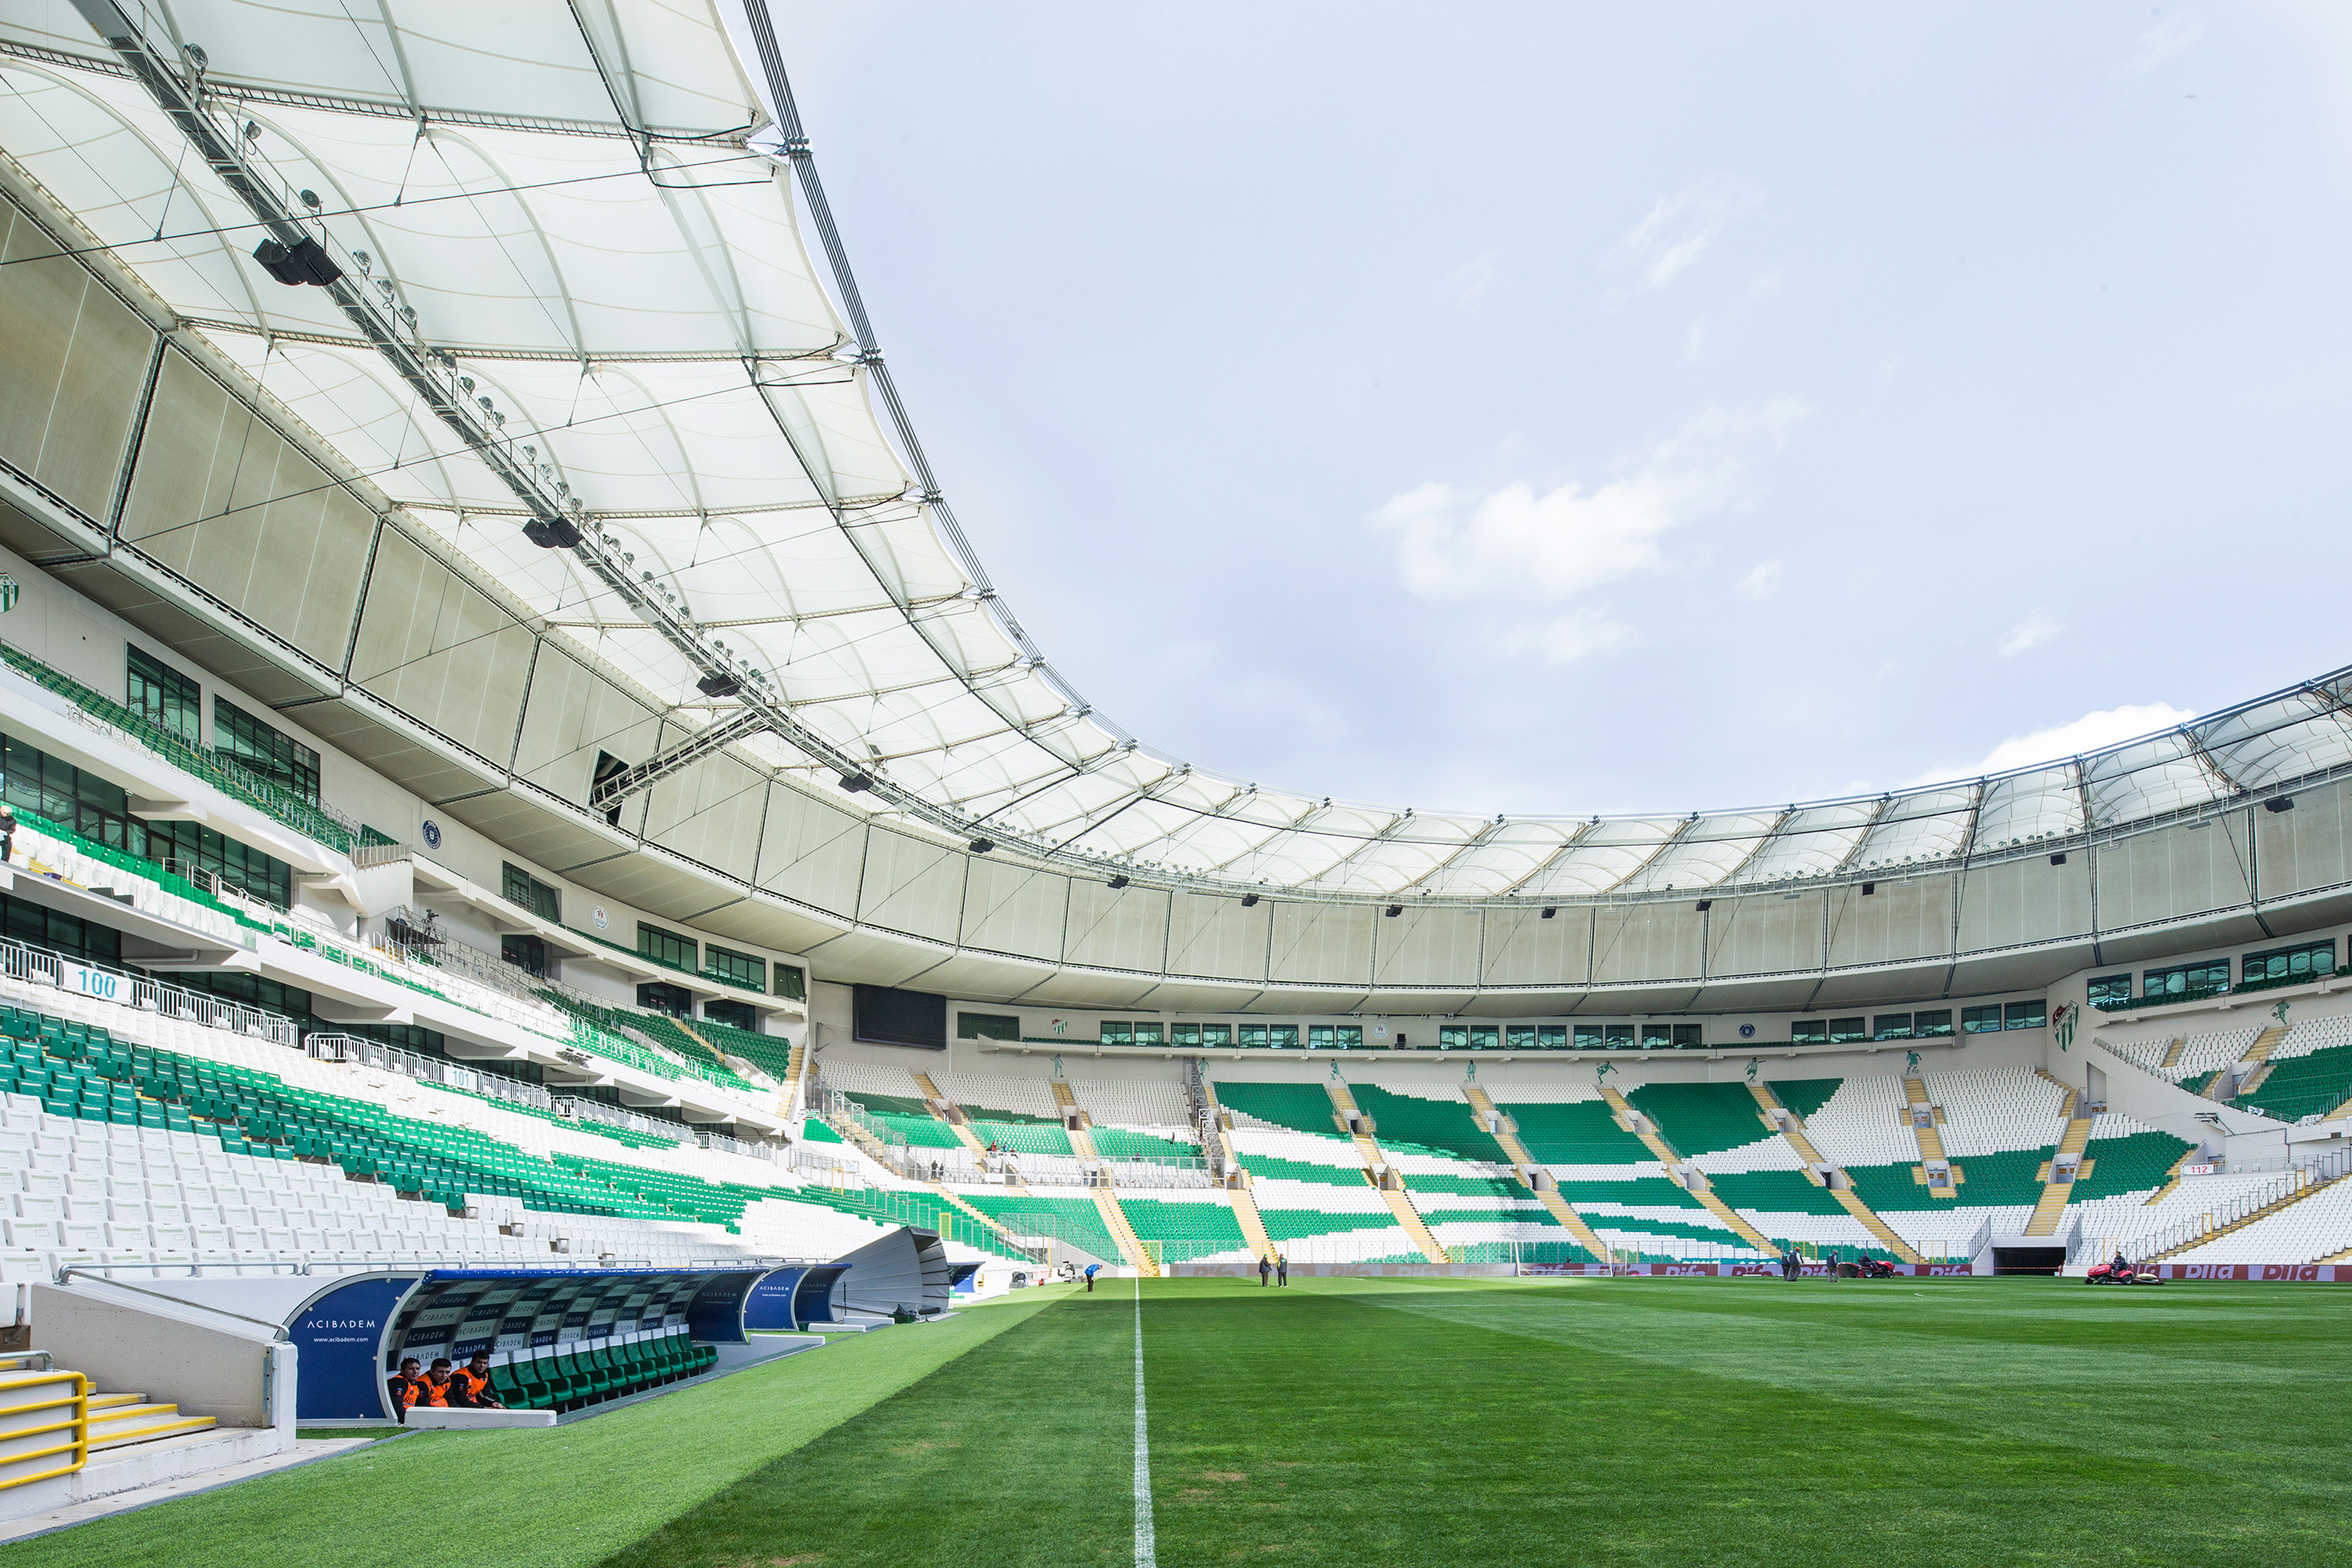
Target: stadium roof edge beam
{"points": [[755, 537]]}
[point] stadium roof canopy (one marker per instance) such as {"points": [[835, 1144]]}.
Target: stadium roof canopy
{"points": [[583, 300]]}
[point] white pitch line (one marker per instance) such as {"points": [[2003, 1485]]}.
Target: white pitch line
{"points": [[1146, 1552]]}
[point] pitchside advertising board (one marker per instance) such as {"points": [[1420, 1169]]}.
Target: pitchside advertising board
{"points": [[2261, 1273], [1717, 1270]]}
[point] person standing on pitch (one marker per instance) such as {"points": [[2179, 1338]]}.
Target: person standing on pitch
{"points": [[1282, 1268], [1265, 1268], [1090, 1277]]}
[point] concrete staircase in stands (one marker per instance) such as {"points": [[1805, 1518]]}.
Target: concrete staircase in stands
{"points": [[1639, 1125], [1791, 1128], [1352, 1119], [1238, 1193], [2255, 1065], [932, 1096], [2077, 1137], [1106, 1196], [1524, 1166]]}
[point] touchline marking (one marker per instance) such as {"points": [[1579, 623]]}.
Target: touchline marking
{"points": [[1146, 1554]]}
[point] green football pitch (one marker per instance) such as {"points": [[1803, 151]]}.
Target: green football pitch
{"points": [[1367, 1422]]}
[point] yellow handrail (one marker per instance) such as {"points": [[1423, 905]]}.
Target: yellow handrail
{"points": [[78, 1424]]}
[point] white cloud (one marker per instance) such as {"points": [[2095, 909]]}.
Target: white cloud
{"points": [[1467, 282], [1578, 634], [2168, 40], [1763, 579], [1513, 543], [2036, 629], [1677, 232], [2088, 733]]}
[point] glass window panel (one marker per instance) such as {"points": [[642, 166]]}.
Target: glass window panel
{"points": [[1890, 1026], [1351, 1037], [1185, 1034], [1620, 1035], [2025, 1015], [1845, 1031], [1980, 1020], [988, 1026], [1809, 1031], [1483, 1036], [1321, 1037], [1657, 1037], [1453, 1037], [260, 747], [1253, 1035], [1115, 1032], [666, 947], [746, 969], [1551, 1036], [1148, 1033], [1216, 1034], [1282, 1036], [2111, 989], [1936, 1025], [1688, 1036], [164, 697], [1589, 1036], [791, 982], [1520, 1037]]}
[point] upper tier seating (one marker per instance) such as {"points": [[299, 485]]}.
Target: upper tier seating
{"points": [[1701, 1118], [1574, 1133], [1132, 1103], [1448, 1126], [771, 1053], [1302, 1107], [2126, 1158], [1001, 1099], [1861, 1123], [1804, 1095], [1993, 1110]]}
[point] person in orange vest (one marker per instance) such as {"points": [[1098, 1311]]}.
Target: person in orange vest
{"points": [[407, 1389], [469, 1385], [438, 1388]]}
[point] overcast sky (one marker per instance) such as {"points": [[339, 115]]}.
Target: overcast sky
{"points": [[1575, 409]]}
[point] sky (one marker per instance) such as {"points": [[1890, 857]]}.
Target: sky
{"points": [[1571, 409]]}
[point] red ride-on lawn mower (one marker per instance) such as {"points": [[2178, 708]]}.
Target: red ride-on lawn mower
{"points": [[2108, 1274]]}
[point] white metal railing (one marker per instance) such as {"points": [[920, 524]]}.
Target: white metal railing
{"points": [[40, 966]]}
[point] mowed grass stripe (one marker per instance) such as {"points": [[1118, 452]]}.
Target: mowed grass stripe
{"points": [[559, 1497], [1315, 1426], [1019, 1455], [2123, 1373]]}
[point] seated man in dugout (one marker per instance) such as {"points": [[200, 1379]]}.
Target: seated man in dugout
{"points": [[410, 1388], [469, 1385]]}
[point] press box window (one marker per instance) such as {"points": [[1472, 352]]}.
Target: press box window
{"points": [[791, 982], [1846, 1031], [734, 1015], [1890, 1026], [1253, 1036], [1185, 1034], [1589, 1036], [1453, 1037], [2298, 963], [1519, 1035], [1216, 1034], [1657, 1037], [1351, 1037], [736, 968], [1686, 1036], [262, 748], [660, 997], [1619, 1035], [988, 1026], [1322, 1036], [1284, 1037], [666, 947], [519, 887], [1980, 1020], [1936, 1025], [2034, 1014], [1148, 1033], [528, 954], [2111, 989], [2200, 978], [164, 697], [1115, 1032], [1809, 1031], [1551, 1037]]}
